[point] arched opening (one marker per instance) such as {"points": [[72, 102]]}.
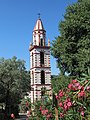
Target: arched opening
{"points": [[42, 77], [41, 58]]}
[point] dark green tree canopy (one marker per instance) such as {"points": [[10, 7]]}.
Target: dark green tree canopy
{"points": [[14, 81], [72, 47]]}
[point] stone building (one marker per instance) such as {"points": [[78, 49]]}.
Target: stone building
{"points": [[40, 69]]}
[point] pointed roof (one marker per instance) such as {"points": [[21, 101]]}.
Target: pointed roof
{"points": [[39, 25]]}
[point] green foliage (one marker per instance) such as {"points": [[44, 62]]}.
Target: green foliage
{"points": [[25, 104], [42, 109], [60, 82], [72, 47], [14, 80]]}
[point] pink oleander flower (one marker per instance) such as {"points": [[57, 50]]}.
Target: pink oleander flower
{"points": [[82, 113], [79, 87], [61, 115], [60, 104], [27, 104], [69, 104], [49, 116], [81, 94], [82, 88], [77, 84], [74, 81], [61, 93], [44, 112], [70, 86], [88, 88], [40, 108], [12, 116], [74, 88], [57, 97], [67, 100], [80, 109], [65, 107]]}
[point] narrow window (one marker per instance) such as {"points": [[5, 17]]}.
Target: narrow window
{"points": [[41, 58], [32, 60], [42, 77], [41, 42], [32, 77]]}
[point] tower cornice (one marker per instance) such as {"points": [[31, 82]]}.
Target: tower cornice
{"points": [[39, 30], [40, 67], [39, 47]]}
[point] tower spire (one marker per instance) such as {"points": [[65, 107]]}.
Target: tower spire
{"points": [[39, 34]]}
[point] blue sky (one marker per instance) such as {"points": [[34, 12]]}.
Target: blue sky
{"points": [[17, 20]]}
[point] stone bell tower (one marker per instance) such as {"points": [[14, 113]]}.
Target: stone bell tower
{"points": [[40, 69]]}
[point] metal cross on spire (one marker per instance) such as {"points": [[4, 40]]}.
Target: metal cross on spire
{"points": [[39, 15]]}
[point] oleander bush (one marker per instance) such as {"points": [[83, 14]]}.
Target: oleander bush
{"points": [[72, 102]]}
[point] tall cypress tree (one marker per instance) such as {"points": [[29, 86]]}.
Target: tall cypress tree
{"points": [[72, 47]]}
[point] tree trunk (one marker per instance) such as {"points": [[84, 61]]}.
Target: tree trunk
{"points": [[56, 113], [7, 106]]}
